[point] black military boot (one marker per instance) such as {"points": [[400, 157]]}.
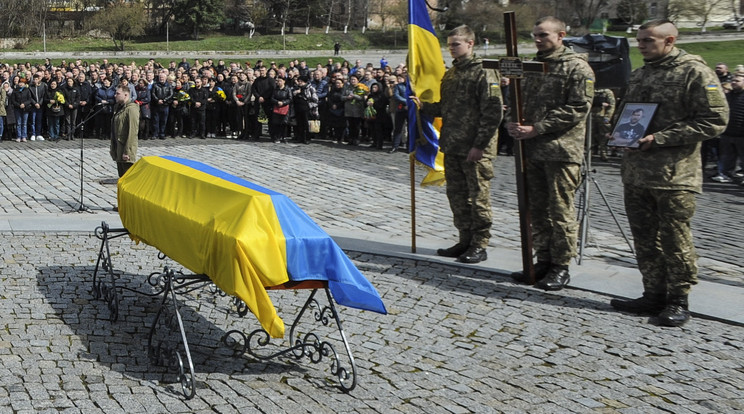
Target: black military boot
{"points": [[556, 279], [454, 251], [676, 312], [648, 304], [541, 269], [473, 255]]}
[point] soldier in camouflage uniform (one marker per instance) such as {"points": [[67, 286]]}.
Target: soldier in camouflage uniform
{"points": [[471, 109], [662, 177], [603, 108], [556, 106]]}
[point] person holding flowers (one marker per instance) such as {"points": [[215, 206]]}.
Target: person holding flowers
{"points": [[355, 94], [216, 96], [179, 111], [55, 102]]}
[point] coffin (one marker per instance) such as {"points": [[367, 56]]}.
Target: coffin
{"points": [[246, 238]]}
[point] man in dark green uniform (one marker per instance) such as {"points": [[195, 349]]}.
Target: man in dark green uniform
{"points": [[471, 109], [124, 130], [662, 177]]}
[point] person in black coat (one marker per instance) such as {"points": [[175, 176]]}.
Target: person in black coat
{"points": [[336, 118], [143, 100], [87, 104], [263, 89], [71, 92], [377, 116], [199, 96], [281, 102]]}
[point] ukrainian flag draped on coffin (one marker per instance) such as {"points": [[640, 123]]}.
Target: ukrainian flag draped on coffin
{"points": [[425, 71], [243, 236]]}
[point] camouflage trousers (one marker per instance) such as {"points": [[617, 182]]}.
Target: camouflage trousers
{"points": [[660, 222], [600, 129], [551, 186], [469, 195]]}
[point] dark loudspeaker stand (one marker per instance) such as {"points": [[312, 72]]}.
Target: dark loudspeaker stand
{"points": [[609, 57]]}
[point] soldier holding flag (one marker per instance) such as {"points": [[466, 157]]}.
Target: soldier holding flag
{"points": [[471, 109]]}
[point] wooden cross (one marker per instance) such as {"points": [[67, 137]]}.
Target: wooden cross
{"points": [[513, 68]]}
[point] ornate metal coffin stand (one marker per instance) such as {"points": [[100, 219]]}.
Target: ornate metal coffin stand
{"points": [[167, 342], [302, 345]]}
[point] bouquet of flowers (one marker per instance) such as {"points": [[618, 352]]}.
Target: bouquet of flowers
{"points": [[370, 112], [262, 117], [182, 96], [361, 89], [59, 100], [219, 95]]}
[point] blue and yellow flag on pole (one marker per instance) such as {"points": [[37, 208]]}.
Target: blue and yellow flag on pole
{"points": [[425, 72]]}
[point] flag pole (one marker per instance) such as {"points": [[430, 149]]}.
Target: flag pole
{"points": [[413, 203]]}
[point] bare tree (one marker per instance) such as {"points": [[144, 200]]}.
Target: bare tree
{"points": [[22, 18], [161, 12], [331, 7], [399, 13], [348, 15], [121, 21], [695, 10], [585, 11], [632, 11], [479, 16], [382, 9]]}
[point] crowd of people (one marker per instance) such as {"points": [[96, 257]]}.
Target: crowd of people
{"points": [[729, 147], [339, 101]]}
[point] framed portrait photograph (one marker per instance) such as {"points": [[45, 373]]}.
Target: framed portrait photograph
{"points": [[632, 124]]}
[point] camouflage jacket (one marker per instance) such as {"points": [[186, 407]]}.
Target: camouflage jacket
{"points": [[602, 96], [692, 108], [557, 104], [470, 107]]}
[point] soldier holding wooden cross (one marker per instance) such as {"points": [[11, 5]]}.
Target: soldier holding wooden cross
{"points": [[556, 106]]}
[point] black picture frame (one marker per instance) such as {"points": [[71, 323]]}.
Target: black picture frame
{"points": [[628, 130]]}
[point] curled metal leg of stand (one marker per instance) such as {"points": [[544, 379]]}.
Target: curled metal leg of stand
{"points": [[240, 307], [102, 288], [308, 345], [167, 344]]}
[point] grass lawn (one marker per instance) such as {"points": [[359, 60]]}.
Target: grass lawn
{"points": [[728, 52], [219, 42]]}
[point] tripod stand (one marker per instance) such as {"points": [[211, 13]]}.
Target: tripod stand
{"points": [[584, 187], [81, 207]]}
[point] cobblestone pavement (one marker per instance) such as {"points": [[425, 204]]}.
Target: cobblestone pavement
{"points": [[456, 340]]}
